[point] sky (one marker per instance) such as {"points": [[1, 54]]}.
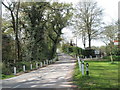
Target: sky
{"points": [[110, 14]]}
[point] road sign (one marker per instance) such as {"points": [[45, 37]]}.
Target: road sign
{"points": [[115, 42]]}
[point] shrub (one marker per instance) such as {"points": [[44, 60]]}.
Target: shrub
{"points": [[89, 52], [115, 58], [6, 70], [72, 50]]}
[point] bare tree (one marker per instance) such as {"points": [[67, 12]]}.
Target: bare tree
{"points": [[88, 20]]}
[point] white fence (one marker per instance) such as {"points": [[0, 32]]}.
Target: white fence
{"points": [[44, 63]]}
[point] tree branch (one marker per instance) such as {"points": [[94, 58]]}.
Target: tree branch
{"points": [[51, 38], [6, 6]]}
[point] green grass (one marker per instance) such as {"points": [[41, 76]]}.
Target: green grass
{"points": [[7, 76], [102, 74]]}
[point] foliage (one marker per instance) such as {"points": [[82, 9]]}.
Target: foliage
{"points": [[32, 32], [115, 58], [7, 76], [35, 18], [72, 50], [109, 34], [7, 47], [89, 52], [6, 69]]}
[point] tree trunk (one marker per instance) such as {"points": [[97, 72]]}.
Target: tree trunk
{"points": [[53, 50], [89, 40], [84, 43], [111, 57], [16, 29]]}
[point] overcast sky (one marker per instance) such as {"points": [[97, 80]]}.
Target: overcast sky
{"points": [[110, 14]]}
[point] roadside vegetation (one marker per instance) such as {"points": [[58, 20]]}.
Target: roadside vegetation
{"points": [[31, 32], [102, 75]]}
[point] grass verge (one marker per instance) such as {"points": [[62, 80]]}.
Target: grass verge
{"points": [[102, 74], [7, 76]]}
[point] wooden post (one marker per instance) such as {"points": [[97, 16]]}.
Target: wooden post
{"points": [[79, 63], [31, 66], [44, 63], [87, 71], [24, 68], [51, 61], [14, 70], [90, 56], [40, 64], [82, 68], [47, 62], [36, 65]]}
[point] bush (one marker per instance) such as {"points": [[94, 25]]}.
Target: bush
{"points": [[6, 70], [115, 58], [89, 52], [72, 50]]}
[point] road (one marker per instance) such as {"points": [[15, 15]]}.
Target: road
{"points": [[57, 75]]}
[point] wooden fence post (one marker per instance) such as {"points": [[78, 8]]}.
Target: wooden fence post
{"points": [[31, 66], [40, 64], [14, 70], [87, 71], [44, 63], [36, 65], [82, 68], [79, 63], [24, 68]]}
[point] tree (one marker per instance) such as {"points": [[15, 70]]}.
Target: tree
{"points": [[108, 35], [37, 28], [35, 22], [87, 21], [59, 17], [13, 8]]}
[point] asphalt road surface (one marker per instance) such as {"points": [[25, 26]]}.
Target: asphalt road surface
{"points": [[57, 75]]}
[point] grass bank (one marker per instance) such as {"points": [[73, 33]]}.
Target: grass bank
{"points": [[102, 74]]}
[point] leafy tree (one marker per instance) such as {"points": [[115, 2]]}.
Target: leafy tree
{"points": [[13, 8], [36, 28], [59, 17], [36, 19], [109, 35]]}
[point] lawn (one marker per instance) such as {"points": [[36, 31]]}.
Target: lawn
{"points": [[102, 74]]}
